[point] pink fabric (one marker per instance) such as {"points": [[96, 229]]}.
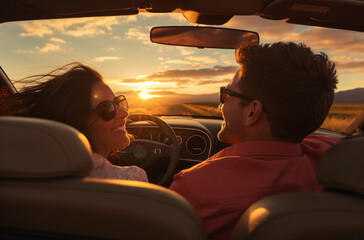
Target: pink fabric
{"points": [[102, 168], [222, 187]]}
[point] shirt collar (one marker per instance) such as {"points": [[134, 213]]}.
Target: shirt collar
{"points": [[273, 148], [97, 159]]}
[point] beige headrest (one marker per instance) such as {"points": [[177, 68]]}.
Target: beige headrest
{"points": [[342, 166], [37, 148]]}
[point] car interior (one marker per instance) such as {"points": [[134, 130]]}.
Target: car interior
{"points": [[335, 213], [44, 189], [45, 193]]}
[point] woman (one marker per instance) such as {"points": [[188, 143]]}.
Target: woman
{"points": [[77, 95], [356, 128]]}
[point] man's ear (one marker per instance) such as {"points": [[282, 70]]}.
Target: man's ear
{"points": [[255, 112]]}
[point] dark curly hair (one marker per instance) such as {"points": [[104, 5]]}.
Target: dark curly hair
{"points": [[294, 84], [63, 95]]}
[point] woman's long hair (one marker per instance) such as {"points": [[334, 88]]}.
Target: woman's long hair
{"points": [[63, 95]]}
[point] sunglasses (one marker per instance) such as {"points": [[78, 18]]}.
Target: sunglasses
{"points": [[224, 93], [107, 110]]}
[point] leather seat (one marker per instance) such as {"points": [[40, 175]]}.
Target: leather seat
{"points": [[336, 213], [44, 192]]}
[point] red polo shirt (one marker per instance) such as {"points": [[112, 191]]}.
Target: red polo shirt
{"points": [[225, 185]]}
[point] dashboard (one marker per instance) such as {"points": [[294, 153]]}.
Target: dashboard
{"points": [[196, 136]]}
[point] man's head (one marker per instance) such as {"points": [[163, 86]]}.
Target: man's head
{"points": [[291, 90]]}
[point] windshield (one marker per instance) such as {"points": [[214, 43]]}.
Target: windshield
{"points": [[168, 80]]}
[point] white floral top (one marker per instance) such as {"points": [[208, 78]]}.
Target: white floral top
{"points": [[102, 168]]}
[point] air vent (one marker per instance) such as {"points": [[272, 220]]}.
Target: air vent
{"points": [[196, 145]]}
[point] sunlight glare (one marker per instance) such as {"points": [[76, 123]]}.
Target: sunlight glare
{"points": [[145, 95]]}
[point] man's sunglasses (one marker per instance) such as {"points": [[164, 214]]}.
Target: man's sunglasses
{"points": [[107, 110], [224, 93]]}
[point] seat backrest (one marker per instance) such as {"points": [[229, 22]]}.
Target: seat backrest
{"points": [[44, 192], [35, 148], [335, 213]]}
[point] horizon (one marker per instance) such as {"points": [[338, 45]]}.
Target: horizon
{"points": [[137, 99]]}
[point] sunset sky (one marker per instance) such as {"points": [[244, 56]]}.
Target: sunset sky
{"points": [[120, 49]]}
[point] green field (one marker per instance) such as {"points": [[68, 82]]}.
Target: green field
{"points": [[339, 117], [190, 109]]}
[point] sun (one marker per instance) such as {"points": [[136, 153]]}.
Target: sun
{"points": [[145, 95]]}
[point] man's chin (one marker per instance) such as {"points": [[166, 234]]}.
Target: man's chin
{"points": [[222, 135], [225, 137]]}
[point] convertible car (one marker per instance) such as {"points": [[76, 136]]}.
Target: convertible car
{"points": [[169, 58]]}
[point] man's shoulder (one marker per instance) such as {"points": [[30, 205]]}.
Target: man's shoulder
{"points": [[321, 139], [213, 164], [318, 145]]}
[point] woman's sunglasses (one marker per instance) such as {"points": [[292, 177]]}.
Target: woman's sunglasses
{"points": [[224, 93], [107, 110]]}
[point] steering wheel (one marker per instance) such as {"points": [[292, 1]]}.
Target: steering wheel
{"points": [[145, 153]]}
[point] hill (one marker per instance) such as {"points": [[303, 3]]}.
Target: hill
{"points": [[350, 96]]}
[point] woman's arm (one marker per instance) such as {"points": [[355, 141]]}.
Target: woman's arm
{"points": [[356, 126]]}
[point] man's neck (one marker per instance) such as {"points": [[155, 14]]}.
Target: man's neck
{"points": [[261, 138]]}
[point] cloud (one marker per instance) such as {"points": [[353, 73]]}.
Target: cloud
{"points": [[345, 62], [267, 29], [89, 28], [137, 34], [208, 82], [183, 61], [334, 41], [215, 71], [151, 82], [193, 61], [58, 40], [39, 29], [176, 16], [54, 46], [23, 51], [105, 58], [179, 79], [185, 51], [165, 92], [227, 62], [183, 78], [77, 27], [344, 47], [330, 40], [49, 47], [202, 59]]}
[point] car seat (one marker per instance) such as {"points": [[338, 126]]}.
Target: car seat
{"points": [[45, 194], [336, 213]]}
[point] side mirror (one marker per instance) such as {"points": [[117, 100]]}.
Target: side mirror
{"points": [[203, 37]]}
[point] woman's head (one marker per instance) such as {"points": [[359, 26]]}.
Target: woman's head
{"points": [[62, 95], [106, 131], [67, 95]]}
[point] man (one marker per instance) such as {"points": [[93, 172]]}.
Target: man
{"points": [[281, 94]]}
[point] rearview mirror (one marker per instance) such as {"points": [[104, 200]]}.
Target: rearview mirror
{"points": [[203, 37]]}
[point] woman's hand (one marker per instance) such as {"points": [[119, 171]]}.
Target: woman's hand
{"points": [[356, 127]]}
